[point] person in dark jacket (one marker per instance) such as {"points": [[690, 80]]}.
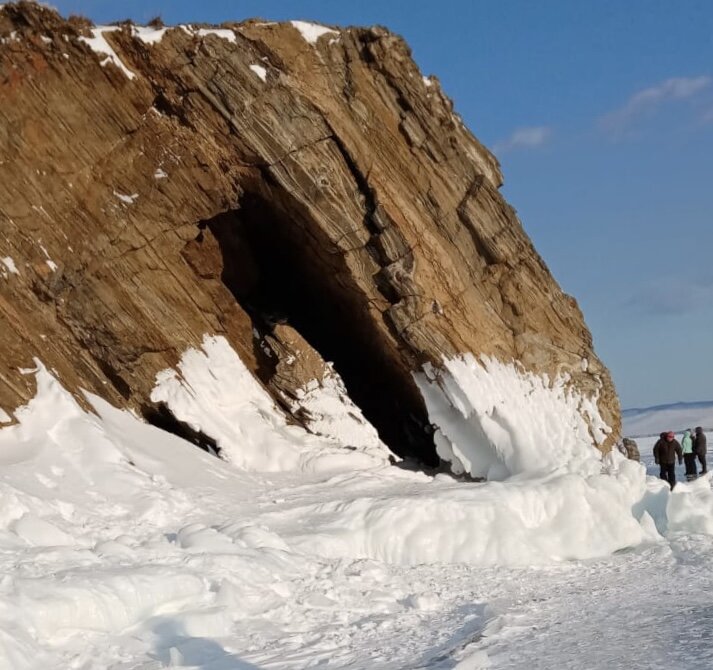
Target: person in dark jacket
{"points": [[689, 455], [700, 447], [665, 452], [657, 448]]}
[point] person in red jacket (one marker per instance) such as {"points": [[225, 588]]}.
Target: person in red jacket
{"points": [[665, 452]]}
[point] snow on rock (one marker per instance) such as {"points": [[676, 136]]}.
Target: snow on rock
{"points": [[99, 45], [127, 199], [50, 263], [160, 174], [260, 71], [311, 32], [496, 421], [147, 34], [223, 33], [4, 416], [332, 414], [9, 266], [12, 37], [215, 393]]}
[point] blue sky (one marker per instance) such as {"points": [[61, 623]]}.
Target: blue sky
{"points": [[601, 114]]}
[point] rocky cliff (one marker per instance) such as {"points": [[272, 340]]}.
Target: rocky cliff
{"points": [[302, 191]]}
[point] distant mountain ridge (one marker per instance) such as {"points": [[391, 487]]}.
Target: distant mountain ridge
{"points": [[644, 421], [701, 404]]}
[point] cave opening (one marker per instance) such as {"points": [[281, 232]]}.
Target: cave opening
{"points": [[279, 271], [160, 416]]}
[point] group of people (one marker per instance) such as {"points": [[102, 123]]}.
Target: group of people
{"points": [[668, 450]]}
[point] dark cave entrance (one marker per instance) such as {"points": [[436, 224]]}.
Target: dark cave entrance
{"points": [[162, 417], [279, 272]]}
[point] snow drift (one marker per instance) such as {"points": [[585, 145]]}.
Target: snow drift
{"points": [[530, 522], [120, 541]]}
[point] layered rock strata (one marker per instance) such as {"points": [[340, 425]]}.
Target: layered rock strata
{"points": [[302, 191]]}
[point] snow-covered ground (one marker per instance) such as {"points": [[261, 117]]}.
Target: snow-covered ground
{"points": [[125, 548]]}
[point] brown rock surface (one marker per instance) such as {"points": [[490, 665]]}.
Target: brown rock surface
{"points": [[341, 196]]}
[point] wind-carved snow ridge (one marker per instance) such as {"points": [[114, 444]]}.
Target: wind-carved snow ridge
{"points": [[311, 32], [215, 393], [99, 45], [497, 421]]}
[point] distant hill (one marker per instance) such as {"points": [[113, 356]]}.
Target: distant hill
{"points": [[678, 416]]}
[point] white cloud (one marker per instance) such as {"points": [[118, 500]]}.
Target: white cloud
{"points": [[648, 99], [524, 138]]}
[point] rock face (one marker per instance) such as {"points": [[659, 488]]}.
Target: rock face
{"points": [[302, 191]]}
